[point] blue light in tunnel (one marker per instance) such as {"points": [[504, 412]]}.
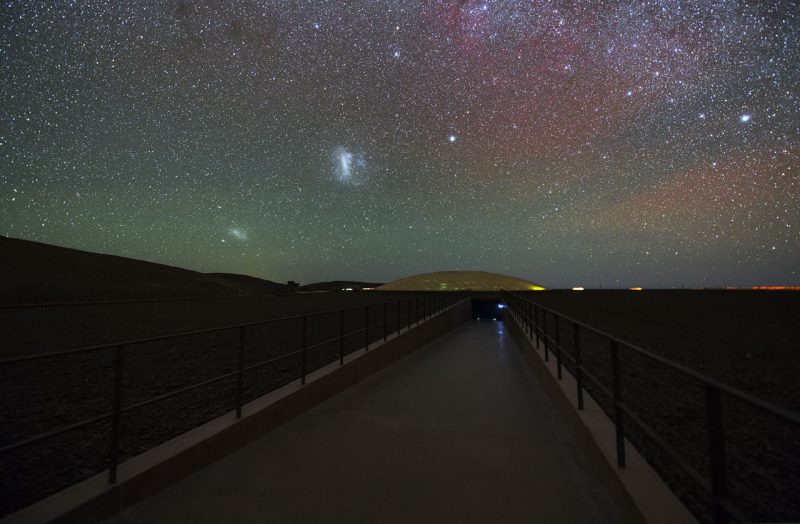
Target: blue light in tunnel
{"points": [[501, 306]]}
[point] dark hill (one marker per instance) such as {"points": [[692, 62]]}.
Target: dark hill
{"points": [[32, 272], [250, 284], [337, 285]]}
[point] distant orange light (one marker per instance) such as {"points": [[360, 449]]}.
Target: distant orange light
{"points": [[777, 288], [635, 288]]}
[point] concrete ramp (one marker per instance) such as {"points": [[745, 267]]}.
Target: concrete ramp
{"points": [[458, 431]]}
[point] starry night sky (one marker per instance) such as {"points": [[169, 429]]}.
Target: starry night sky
{"points": [[652, 143]]}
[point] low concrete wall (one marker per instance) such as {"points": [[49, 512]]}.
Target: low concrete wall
{"points": [[636, 489], [94, 499]]}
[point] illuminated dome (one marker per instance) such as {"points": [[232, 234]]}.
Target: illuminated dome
{"points": [[460, 281]]}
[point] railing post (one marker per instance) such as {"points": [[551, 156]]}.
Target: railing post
{"points": [[536, 324], [544, 336], [399, 302], [578, 375], [385, 321], [116, 416], [305, 345], [240, 375], [558, 348], [341, 337], [529, 321], [366, 328], [408, 315], [716, 454], [617, 390]]}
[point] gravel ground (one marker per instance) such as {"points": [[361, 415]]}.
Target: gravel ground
{"points": [[745, 339], [39, 396]]}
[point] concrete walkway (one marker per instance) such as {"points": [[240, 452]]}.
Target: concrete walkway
{"points": [[457, 432]]}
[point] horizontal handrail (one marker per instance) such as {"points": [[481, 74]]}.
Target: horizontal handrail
{"points": [[699, 377], [666, 447], [186, 389], [55, 433], [526, 313], [168, 336], [421, 313], [272, 360]]}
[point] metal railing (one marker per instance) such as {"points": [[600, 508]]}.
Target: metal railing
{"points": [[408, 313], [708, 467]]}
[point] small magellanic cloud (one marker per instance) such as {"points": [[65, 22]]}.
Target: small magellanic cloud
{"points": [[238, 233]]}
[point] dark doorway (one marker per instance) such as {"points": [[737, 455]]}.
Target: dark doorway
{"points": [[487, 309]]}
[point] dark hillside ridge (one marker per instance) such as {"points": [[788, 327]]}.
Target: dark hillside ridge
{"points": [[37, 273], [250, 284], [338, 285]]}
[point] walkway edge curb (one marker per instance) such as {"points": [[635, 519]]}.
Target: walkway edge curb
{"points": [[93, 499], [637, 489]]}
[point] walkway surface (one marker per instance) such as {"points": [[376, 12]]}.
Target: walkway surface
{"points": [[459, 431]]}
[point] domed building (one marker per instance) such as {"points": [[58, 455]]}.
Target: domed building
{"points": [[460, 281]]}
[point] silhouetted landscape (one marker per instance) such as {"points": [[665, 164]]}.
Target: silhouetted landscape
{"points": [[36, 273], [744, 338], [442, 223]]}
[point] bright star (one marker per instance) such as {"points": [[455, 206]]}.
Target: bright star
{"points": [[452, 138], [745, 118]]}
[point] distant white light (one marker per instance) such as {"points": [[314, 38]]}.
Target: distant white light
{"points": [[501, 306], [745, 118], [577, 289], [629, 93], [452, 138]]}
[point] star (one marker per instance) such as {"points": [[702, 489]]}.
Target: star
{"points": [[316, 132]]}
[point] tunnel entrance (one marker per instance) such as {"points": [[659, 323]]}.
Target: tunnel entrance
{"points": [[487, 309]]}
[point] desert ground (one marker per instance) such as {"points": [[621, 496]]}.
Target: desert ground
{"points": [[42, 395], [746, 339]]}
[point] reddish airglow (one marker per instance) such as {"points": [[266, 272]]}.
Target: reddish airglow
{"points": [[774, 288]]}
